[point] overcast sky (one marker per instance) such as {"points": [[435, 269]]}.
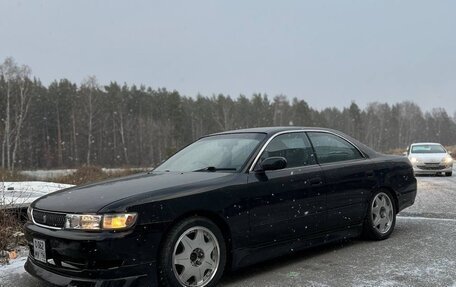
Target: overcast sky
{"points": [[326, 52]]}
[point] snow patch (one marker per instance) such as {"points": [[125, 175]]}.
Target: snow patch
{"points": [[24, 192], [15, 266]]}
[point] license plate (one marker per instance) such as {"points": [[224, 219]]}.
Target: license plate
{"points": [[39, 250]]}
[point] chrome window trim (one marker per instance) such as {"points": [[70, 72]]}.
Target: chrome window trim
{"points": [[308, 166], [257, 157], [45, 226]]}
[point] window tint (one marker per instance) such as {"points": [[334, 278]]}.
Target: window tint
{"points": [[294, 147], [331, 148]]}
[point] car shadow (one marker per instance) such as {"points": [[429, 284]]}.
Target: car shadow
{"points": [[270, 265]]}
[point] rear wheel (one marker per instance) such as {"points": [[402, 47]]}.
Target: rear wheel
{"points": [[381, 217], [449, 173], [193, 254]]}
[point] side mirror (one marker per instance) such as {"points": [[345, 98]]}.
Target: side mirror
{"points": [[404, 153], [273, 163]]}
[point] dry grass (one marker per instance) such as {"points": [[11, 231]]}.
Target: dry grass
{"points": [[88, 174], [11, 232], [11, 228], [396, 151], [6, 175]]}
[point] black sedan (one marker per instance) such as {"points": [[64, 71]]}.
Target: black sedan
{"points": [[223, 202]]}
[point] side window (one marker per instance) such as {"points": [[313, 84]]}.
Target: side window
{"points": [[331, 148], [294, 147]]}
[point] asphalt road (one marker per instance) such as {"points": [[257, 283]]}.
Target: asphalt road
{"points": [[420, 252]]}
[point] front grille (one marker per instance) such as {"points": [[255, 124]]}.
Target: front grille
{"points": [[50, 219], [431, 167]]}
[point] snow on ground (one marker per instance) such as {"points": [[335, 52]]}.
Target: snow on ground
{"points": [[436, 197], [15, 266], [24, 192]]}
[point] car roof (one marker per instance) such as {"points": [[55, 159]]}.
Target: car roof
{"points": [[274, 130]]}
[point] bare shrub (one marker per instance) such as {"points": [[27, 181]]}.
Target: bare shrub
{"points": [[396, 151], [10, 226]]}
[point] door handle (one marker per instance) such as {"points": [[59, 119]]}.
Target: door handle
{"points": [[315, 181]]}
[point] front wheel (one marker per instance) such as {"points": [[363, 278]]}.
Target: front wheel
{"points": [[193, 254], [381, 217]]}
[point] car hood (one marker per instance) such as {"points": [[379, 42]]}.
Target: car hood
{"points": [[429, 157], [92, 198]]}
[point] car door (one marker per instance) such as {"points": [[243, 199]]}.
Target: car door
{"points": [[346, 173], [283, 202]]}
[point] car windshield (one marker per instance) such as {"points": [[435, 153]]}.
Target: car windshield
{"points": [[427, 148], [228, 153]]}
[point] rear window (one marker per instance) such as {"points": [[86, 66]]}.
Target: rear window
{"points": [[331, 148]]}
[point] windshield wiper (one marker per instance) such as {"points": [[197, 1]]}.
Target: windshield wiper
{"points": [[213, 168]]}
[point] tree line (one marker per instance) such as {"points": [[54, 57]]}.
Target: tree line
{"points": [[65, 124]]}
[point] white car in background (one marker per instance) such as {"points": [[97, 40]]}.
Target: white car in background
{"points": [[430, 158]]}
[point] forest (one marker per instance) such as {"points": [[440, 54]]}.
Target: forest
{"points": [[66, 124]]}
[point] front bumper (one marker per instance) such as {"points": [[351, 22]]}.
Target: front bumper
{"points": [[423, 169], [76, 258], [117, 277]]}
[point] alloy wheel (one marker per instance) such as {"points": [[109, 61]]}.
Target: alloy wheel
{"points": [[196, 257], [382, 213]]}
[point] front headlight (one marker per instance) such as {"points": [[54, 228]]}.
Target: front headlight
{"points": [[83, 221], [100, 222], [448, 159], [413, 160]]}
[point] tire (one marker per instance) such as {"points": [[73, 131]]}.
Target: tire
{"points": [[381, 216], [449, 173], [189, 242]]}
